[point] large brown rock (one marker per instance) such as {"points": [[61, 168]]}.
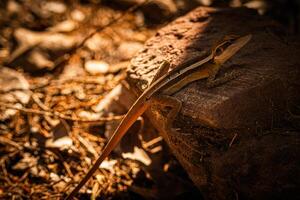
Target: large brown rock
{"points": [[224, 136]]}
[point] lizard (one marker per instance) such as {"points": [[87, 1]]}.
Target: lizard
{"points": [[165, 84]]}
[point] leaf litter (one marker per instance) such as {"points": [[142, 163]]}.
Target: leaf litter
{"points": [[50, 132]]}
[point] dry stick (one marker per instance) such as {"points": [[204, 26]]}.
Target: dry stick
{"points": [[59, 115], [233, 139], [10, 142]]}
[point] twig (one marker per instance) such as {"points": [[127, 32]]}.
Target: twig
{"points": [[233, 139], [87, 145], [59, 115], [38, 102], [10, 142], [146, 145], [65, 164]]}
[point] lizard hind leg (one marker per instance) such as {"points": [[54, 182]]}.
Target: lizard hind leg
{"points": [[171, 102]]}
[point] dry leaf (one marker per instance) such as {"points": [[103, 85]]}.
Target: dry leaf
{"points": [[15, 90], [109, 165], [61, 137], [139, 155]]}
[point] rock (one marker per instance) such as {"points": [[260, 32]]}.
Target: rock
{"points": [[223, 136]]}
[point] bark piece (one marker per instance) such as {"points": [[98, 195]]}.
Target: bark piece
{"points": [[214, 121]]}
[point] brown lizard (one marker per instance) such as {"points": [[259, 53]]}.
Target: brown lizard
{"points": [[162, 86]]}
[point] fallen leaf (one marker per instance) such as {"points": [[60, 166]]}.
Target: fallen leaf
{"points": [[26, 162], [108, 165], [117, 100], [12, 80], [15, 90], [139, 155], [54, 177], [61, 143], [61, 138]]}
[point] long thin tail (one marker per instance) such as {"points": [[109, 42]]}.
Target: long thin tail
{"points": [[136, 110]]}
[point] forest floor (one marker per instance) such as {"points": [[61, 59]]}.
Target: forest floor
{"points": [[64, 58], [60, 60]]}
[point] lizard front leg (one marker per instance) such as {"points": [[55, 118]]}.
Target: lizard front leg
{"points": [[212, 81], [175, 138], [171, 102]]}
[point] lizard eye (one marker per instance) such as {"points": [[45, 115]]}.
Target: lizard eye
{"points": [[221, 47], [219, 51]]}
